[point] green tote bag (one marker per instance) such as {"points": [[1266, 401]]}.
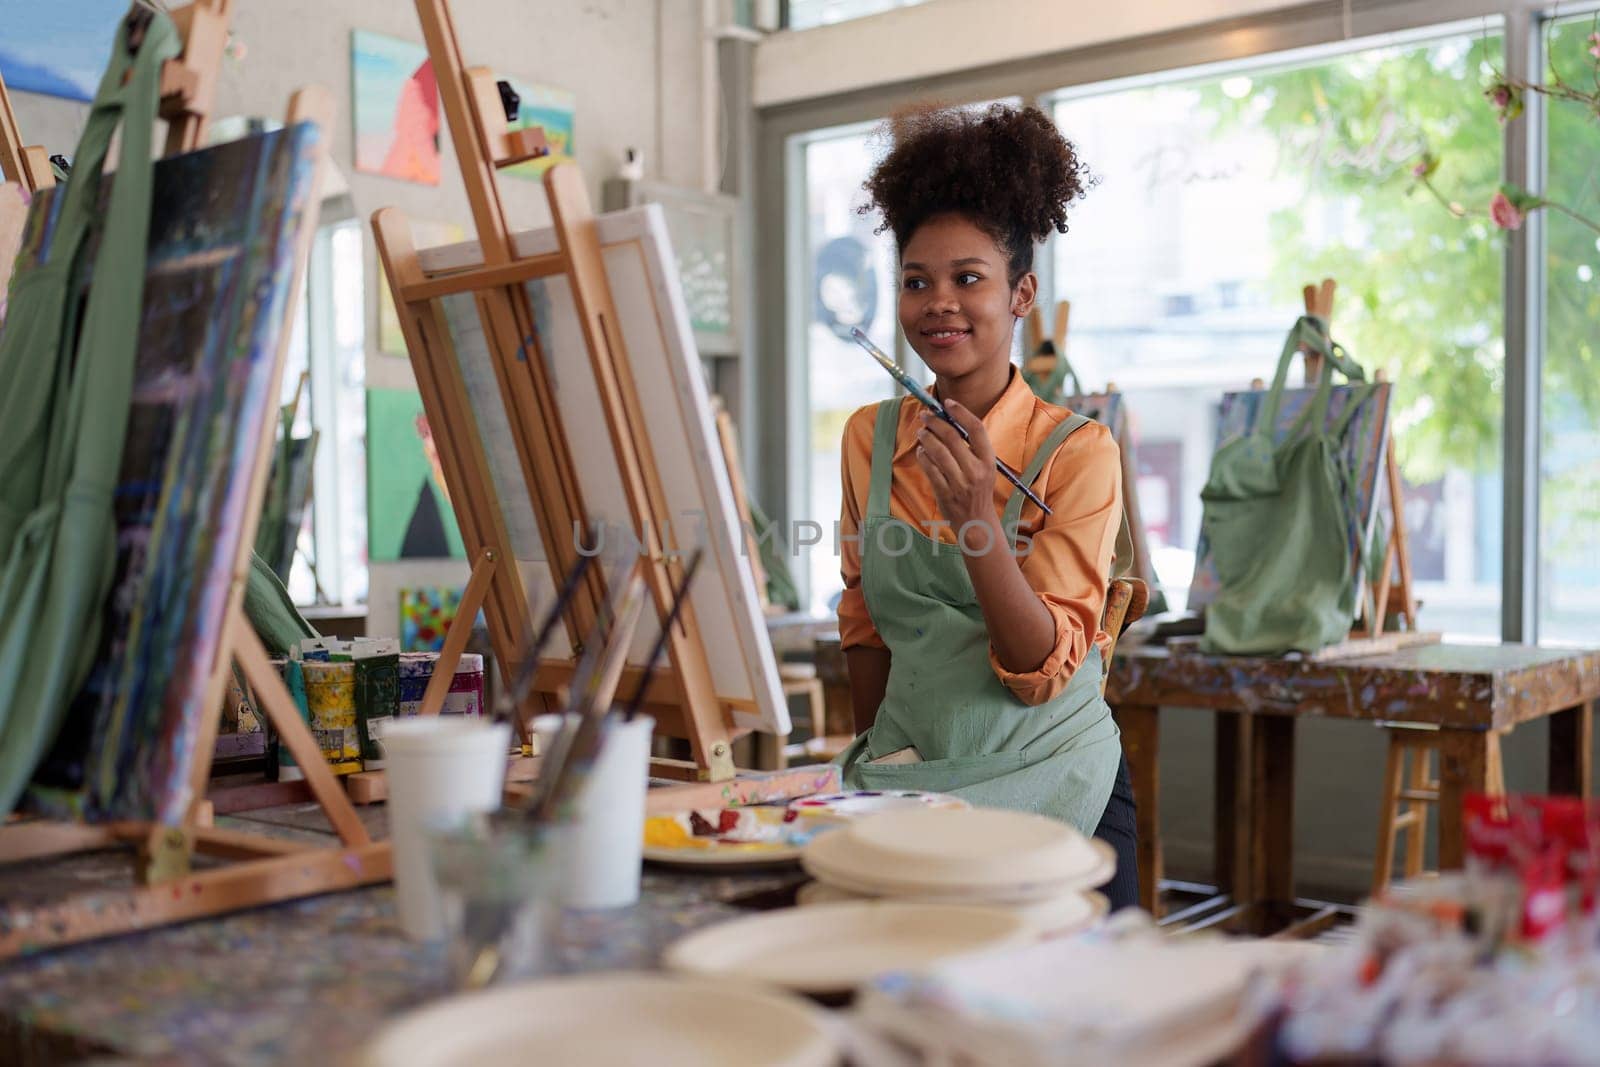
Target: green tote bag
{"points": [[1278, 515], [69, 368]]}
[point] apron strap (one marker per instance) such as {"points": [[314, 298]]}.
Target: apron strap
{"points": [[1067, 427], [883, 445]]}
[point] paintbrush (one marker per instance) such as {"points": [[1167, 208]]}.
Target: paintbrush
{"points": [[534, 649], [910, 385], [661, 639], [593, 706], [582, 680]]}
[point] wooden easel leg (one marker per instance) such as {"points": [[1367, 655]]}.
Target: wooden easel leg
{"points": [[1230, 800], [1271, 811], [275, 701], [455, 639]]}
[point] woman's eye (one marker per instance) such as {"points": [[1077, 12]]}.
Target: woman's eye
{"points": [[916, 283], [966, 277]]}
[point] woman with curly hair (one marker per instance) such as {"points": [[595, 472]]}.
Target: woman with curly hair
{"points": [[970, 618]]}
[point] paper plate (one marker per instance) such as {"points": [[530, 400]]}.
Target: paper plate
{"points": [[730, 837], [1058, 916], [668, 1022], [833, 948], [985, 852], [861, 802]]}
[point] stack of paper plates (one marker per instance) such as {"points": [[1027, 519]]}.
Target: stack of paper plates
{"points": [[984, 855], [614, 1020], [1058, 916], [834, 948]]}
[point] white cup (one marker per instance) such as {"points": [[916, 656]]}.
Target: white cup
{"points": [[605, 851], [440, 769]]}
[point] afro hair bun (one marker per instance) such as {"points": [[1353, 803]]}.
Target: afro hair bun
{"points": [[1007, 169]]}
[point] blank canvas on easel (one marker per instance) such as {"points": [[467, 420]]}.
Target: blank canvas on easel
{"points": [[655, 326]]}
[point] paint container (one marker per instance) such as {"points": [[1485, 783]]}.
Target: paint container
{"points": [[440, 772], [331, 698], [466, 688], [603, 857], [377, 665], [294, 680]]}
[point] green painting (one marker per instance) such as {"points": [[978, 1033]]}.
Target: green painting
{"points": [[408, 507]]}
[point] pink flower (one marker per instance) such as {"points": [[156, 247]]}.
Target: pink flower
{"points": [[1504, 212], [1594, 45], [1499, 96]]}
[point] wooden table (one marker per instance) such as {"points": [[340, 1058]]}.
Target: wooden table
{"points": [[1466, 691]]}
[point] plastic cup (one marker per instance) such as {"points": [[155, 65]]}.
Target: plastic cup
{"points": [[604, 853], [440, 770]]}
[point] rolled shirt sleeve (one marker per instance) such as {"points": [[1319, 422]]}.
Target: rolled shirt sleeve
{"points": [[855, 623], [1069, 555]]}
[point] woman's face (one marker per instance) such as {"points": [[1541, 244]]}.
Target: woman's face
{"points": [[956, 307]]}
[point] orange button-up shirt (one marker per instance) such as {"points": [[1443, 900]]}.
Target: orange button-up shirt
{"points": [[1069, 561]]}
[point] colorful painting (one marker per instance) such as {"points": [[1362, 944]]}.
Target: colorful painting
{"points": [[1365, 439], [224, 229], [59, 48], [553, 109], [391, 342], [425, 614], [408, 506], [396, 108]]}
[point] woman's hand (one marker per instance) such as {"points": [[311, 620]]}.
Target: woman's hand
{"points": [[961, 472]]}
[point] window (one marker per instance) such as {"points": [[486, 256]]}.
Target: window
{"points": [[1219, 197], [1569, 491], [327, 351], [804, 14], [849, 277]]}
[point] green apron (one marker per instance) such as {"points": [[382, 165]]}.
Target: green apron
{"points": [[976, 739]]}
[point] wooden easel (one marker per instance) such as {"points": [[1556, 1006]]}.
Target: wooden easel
{"points": [[268, 869], [1036, 361], [1387, 597], [682, 699]]}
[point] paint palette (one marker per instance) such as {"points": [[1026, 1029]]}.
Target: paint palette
{"points": [[724, 837], [859, 802]]}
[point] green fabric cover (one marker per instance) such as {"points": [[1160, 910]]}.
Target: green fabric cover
{"points": [[1277, 518]]}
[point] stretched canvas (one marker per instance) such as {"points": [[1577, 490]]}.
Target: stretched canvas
{"points": [[226, 223], [1363, 444], [59, 48], [655, 325], [425, 614], [396, 108], [408, 506]]}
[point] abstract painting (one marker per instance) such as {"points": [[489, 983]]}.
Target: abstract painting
{"points": [[396, 108], [425, 614], [224, 229], [59, 48], [391, 341], [553, 109], [408, 506]]}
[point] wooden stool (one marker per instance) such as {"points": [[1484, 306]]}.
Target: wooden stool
{"points": [[1411, 780]]}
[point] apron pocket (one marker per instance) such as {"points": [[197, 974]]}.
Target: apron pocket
{"points": [[934, 776]]}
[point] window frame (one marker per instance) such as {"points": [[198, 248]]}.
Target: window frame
{"points": [[1262, 41]]}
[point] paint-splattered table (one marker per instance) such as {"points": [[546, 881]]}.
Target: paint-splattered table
{"points": [[303, 983], [1468, 692]]}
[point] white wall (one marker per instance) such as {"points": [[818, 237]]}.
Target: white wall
{"points": [[636, 66]]}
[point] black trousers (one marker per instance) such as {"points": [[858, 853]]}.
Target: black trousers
{"points": [[1120, 829]]}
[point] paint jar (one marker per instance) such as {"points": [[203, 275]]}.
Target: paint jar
{"points": [[377, 698], [331, 700], [440, 771], [465, 696]]}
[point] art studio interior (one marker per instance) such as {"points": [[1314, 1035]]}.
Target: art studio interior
{"points": [[820, 533]]}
